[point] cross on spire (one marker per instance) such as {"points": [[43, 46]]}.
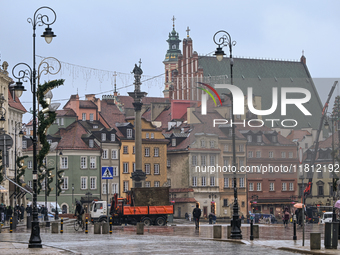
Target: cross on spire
{"points": [[115, 75], [173, 21], [140, 62], [188, 30]]}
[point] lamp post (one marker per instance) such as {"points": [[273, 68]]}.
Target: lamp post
{"points": [[38, 19], [221, 39], [15, 164], [72, 196], [333, 161], [56, 215]]}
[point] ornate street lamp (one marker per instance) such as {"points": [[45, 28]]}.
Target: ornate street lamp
{"points": [[38, 19], [222, 38]]}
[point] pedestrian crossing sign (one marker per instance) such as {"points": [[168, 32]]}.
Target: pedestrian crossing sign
{"points": [[107, 173]]}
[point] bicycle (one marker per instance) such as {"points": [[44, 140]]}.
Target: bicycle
{"points": [[78, 224]]}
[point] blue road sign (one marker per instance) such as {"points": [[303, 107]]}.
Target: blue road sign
{"points": [[107, 173]]}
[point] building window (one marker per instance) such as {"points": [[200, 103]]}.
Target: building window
{"points": [[258, 154], [203, 162], [156, 152], [283, 154], [330, 190], [133, 149], [204, 181], [83, 182], [104, 188], [212, 180], [114, 154], [129, 133], [259, 138], [212, 144], [271, 186], [64, 185], [113, 137], [271, 154], [147, 169], [291, 186], [91, 116], [212, 160], [173, 142], [93, 182], [147, 135], [225, 202], [125, 150], [147, 152], [114, 188], [250, 154], [83, 117], [92, 162], [91, 143], [61, 121], [156, 168], [30, 184], [259, 186], [193, 159], [152, 135], [202, 143], [168, 163], [64, 163], [241, 162], [157, 183], [274, 138], [103, 137], [24, 144], [115, 171], [105, 154], [284, 186], [133, 166], [147, 184], [125, 186], [241, 180], [241, 148], [290, 155], [83, 162], [125, 168], [251, 186], [226, 182], [225, 162], [194, 181], [226, 147], [249, 138], [320, 190]]}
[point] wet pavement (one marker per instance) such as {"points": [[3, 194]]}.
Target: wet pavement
{"points": [[179, 239]]}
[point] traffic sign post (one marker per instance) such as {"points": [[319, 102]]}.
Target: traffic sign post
{"points": [[107, 173]]}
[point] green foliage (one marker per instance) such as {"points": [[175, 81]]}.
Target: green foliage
{"points": [[60, 180], [21, 170], [44, 123]]}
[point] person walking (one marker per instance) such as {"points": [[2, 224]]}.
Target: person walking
{"points": [[2, 213], [286, 217], [9, 213], [197, 214], [22, 212]]}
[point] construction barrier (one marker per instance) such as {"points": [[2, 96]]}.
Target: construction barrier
{"points": [[61, 225], [86, 226], [11, 225], [110, 225]]}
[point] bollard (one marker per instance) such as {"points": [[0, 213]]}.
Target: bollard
{"points": [[217, 231], [110, 225], [55, 227], [251, 230], [10, 225], [331, 235], [105, 227], [1, 227], [315, 241], [29, 222], [294, 234], [61, 225], [228, 231], [140, 228], [256, 231], [86, 226], [97, 228]]}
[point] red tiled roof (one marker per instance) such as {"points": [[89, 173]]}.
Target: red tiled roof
{"points": [[298, 134], [112, 115], [67, 112], [16, 104], [87, 104], [127, 100], [328, 142]]}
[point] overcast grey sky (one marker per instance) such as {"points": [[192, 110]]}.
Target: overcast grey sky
{"points": [[113, 35]]}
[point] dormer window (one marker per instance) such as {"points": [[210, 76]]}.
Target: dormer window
{"points": [[83, 116], [49, 141], [259, 138], [91, 116], [249, 138], [91, 143], [173, 142], [274, 139], [95, 126], [113, 137], [24, 144], [129, 133], [202, 143], [103, 137]]}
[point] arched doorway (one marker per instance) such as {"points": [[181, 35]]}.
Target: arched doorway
{"points": [[64, 209]]}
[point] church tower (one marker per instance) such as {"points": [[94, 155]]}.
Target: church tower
{"points": [[171, 58]]}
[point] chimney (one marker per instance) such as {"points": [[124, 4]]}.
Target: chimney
{"points": [[303, 58]]}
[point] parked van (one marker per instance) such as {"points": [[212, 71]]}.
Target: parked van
{"points": [[327, 217]]}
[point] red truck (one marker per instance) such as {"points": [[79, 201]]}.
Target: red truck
{"points": [[148, 205]]}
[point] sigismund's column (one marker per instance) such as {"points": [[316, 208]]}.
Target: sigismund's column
{"points": [[138, 176]]}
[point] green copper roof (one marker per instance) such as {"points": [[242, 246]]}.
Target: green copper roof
{"points": [[262, 76], [173, 51]]}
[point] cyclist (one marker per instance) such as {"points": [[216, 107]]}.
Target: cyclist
{"points": [[197, 214], [80, 211]]}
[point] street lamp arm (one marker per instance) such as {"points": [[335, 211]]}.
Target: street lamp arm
{"points": [[224, 39], [25, 72], [46, 67], [39, 19]]}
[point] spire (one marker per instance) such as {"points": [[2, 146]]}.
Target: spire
{"points": [[115, 86], [188, 30], [173, 42], [173, 22]]}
